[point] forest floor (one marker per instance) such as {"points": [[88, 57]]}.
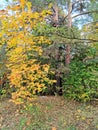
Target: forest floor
{"points": [[49, 113]]}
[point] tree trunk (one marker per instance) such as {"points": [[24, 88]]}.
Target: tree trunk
{"points": [[55, 15], [55, 24], [68, 58]]}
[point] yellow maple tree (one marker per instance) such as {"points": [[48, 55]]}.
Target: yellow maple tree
{"points": [[26, 75]]}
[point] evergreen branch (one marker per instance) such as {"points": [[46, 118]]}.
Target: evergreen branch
{"points": [[75, 38]]}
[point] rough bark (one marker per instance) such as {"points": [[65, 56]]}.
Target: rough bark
{"points": [[55, 15], [68, 58]]}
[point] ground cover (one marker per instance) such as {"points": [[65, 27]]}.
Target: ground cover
{"points": [[49, 113]]}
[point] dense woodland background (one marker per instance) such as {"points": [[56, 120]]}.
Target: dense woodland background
{"points": [[49, 47]]}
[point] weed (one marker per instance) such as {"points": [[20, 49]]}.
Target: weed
{"points": [[72, 127]]}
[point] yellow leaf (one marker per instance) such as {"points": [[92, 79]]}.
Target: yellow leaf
{"points": [[79, 111]]}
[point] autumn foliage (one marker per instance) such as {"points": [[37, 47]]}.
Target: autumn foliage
{"points": [[26, 75]]}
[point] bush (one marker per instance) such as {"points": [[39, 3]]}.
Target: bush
{"points": [[81, 83]]}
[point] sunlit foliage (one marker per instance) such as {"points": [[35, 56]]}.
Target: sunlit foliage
{"points": [[27, 77]]}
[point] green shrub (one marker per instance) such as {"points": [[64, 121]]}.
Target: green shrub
{"points": [[81, 83]]}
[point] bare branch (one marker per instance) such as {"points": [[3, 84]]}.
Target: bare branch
{"points": [[91, 22], [76, 2], [83, 13]]}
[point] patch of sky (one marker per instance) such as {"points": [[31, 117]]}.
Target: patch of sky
{"points": [[4, 3], [82, 20]]}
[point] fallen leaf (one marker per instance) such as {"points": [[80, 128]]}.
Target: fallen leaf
{"points": [[54, 128]]}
